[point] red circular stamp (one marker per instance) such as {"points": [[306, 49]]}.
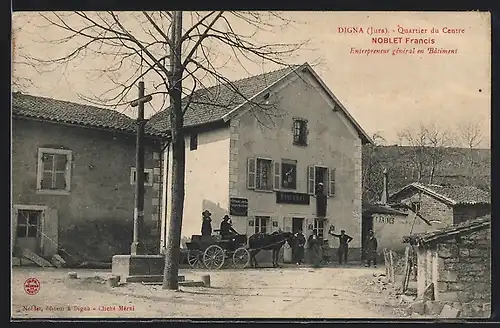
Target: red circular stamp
{"points": [[32, 286]]}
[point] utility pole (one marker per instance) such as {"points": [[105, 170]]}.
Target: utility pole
{"points": [[137, 246]]}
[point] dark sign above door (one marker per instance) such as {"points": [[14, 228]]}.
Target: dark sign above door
{"points": [[292, 198], [238, 206]]}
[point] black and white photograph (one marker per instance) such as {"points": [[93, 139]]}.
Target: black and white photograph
{"points": [[251, 164]]}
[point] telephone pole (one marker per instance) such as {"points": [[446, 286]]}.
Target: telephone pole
{"points": [[137, 246]]}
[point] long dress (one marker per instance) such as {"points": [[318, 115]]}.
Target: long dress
{"points": [[314, 247]]}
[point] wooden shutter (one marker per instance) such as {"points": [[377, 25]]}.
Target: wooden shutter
{"points": [[311, 180], [14, 230], [50, 232], [251, 175], [277, 175], [331, 187]]}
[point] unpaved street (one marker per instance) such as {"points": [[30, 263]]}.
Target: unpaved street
{"points": [[264, 293]]}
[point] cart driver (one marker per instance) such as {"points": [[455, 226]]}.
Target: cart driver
{"points": [[226, 229]]}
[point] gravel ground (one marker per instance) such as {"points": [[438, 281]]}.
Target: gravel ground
{"points": [[264, 293]]}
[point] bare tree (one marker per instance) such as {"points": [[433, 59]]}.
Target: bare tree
{"points": [[469, 133], [372, 169], [18, 82], [160, 44], [427, 147]]}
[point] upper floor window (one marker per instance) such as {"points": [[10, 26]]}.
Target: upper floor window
{"points": [[300, 132], [148, 176], [193, 141], [54, 171], [325, 176], [260, 174], [288, 174], [415, 206]]}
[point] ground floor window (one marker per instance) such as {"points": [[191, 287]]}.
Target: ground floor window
{"points": [[261, 224], [319, 227], [28, 222]]}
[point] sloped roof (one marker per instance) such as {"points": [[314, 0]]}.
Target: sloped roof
{"points": [[60, 111], [451, 195], [381, 209], [449, 232], [214, 104]]}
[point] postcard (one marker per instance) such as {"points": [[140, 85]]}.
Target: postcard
{"points": [[280, 165]]}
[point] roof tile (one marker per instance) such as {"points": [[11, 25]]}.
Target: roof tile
{"points": [[73, 113], [211, 104]]}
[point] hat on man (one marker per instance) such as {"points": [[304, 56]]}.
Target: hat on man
{"points": [[206, 212], [226, 217]]}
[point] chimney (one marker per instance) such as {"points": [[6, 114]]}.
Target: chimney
{"points": [[385, 191]]}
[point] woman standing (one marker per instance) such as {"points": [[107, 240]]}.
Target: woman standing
{"points": [[315, 249]]}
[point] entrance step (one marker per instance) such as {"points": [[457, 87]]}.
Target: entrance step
{"points": [[40, 261], [191, 283]]}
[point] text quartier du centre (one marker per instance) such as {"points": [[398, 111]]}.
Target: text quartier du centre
{"points": [[407, 36]]}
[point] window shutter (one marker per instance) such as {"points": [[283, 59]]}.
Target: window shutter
{"points": [[331, 188], [251, 176], [311, 177], [306, 133], [277, 175]]}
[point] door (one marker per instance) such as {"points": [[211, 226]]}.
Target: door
{"points": [[366, 225], [28, 230]]}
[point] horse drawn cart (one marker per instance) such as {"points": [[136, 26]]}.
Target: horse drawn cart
{"points": [[212, 252]]}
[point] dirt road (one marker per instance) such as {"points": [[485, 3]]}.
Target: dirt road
{"points": [[263, 293]]}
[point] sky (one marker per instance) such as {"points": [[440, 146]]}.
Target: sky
{"points": [[384, 92]]}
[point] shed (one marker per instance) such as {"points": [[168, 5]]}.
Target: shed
{"points": [[454, 264]]}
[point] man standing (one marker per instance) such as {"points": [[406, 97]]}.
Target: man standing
{"points": [[344, 241], [299, 241], [371, 249], [206, 225]]}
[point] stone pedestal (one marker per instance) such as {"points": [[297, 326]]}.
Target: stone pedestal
{"points": [[126, 266]]}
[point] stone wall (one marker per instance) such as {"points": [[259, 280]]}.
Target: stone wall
{"points": [[462, 213], [464, 272], [430, 207]]}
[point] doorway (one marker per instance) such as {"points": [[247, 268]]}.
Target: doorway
{"points": [[28, 230], [297, 225], [366, 225]]}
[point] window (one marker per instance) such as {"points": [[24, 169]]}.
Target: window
{"points": [[319, 227], [261, 224], [300, 132], [415, 206], [317, 174], [28, 222], [148, 176], [193, 141], [264, 178], [288, 174], [54, 171]]}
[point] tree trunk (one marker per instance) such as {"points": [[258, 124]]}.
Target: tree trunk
{"points": [[172, 251], [431, 176]]}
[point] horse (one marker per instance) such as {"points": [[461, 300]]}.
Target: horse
{"points": [[269, 242]]}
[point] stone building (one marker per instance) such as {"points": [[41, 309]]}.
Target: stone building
{"points": [[448, 205], [454, 267], [73, 177], [259, 155]]}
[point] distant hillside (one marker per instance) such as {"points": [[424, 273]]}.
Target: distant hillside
{"points": [[458, 166]]}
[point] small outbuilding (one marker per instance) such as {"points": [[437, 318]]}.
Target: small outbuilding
{"points": [[454, 267]]}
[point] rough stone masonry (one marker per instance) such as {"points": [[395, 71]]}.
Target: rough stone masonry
{"points": [[464, 273]]}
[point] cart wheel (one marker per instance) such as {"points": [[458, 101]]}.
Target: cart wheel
{"points": [[193, 258], [214, 257], [241, 257]]}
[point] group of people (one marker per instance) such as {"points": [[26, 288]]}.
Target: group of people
{"points": [[299, 241], [226, 226], [315, 243]]}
